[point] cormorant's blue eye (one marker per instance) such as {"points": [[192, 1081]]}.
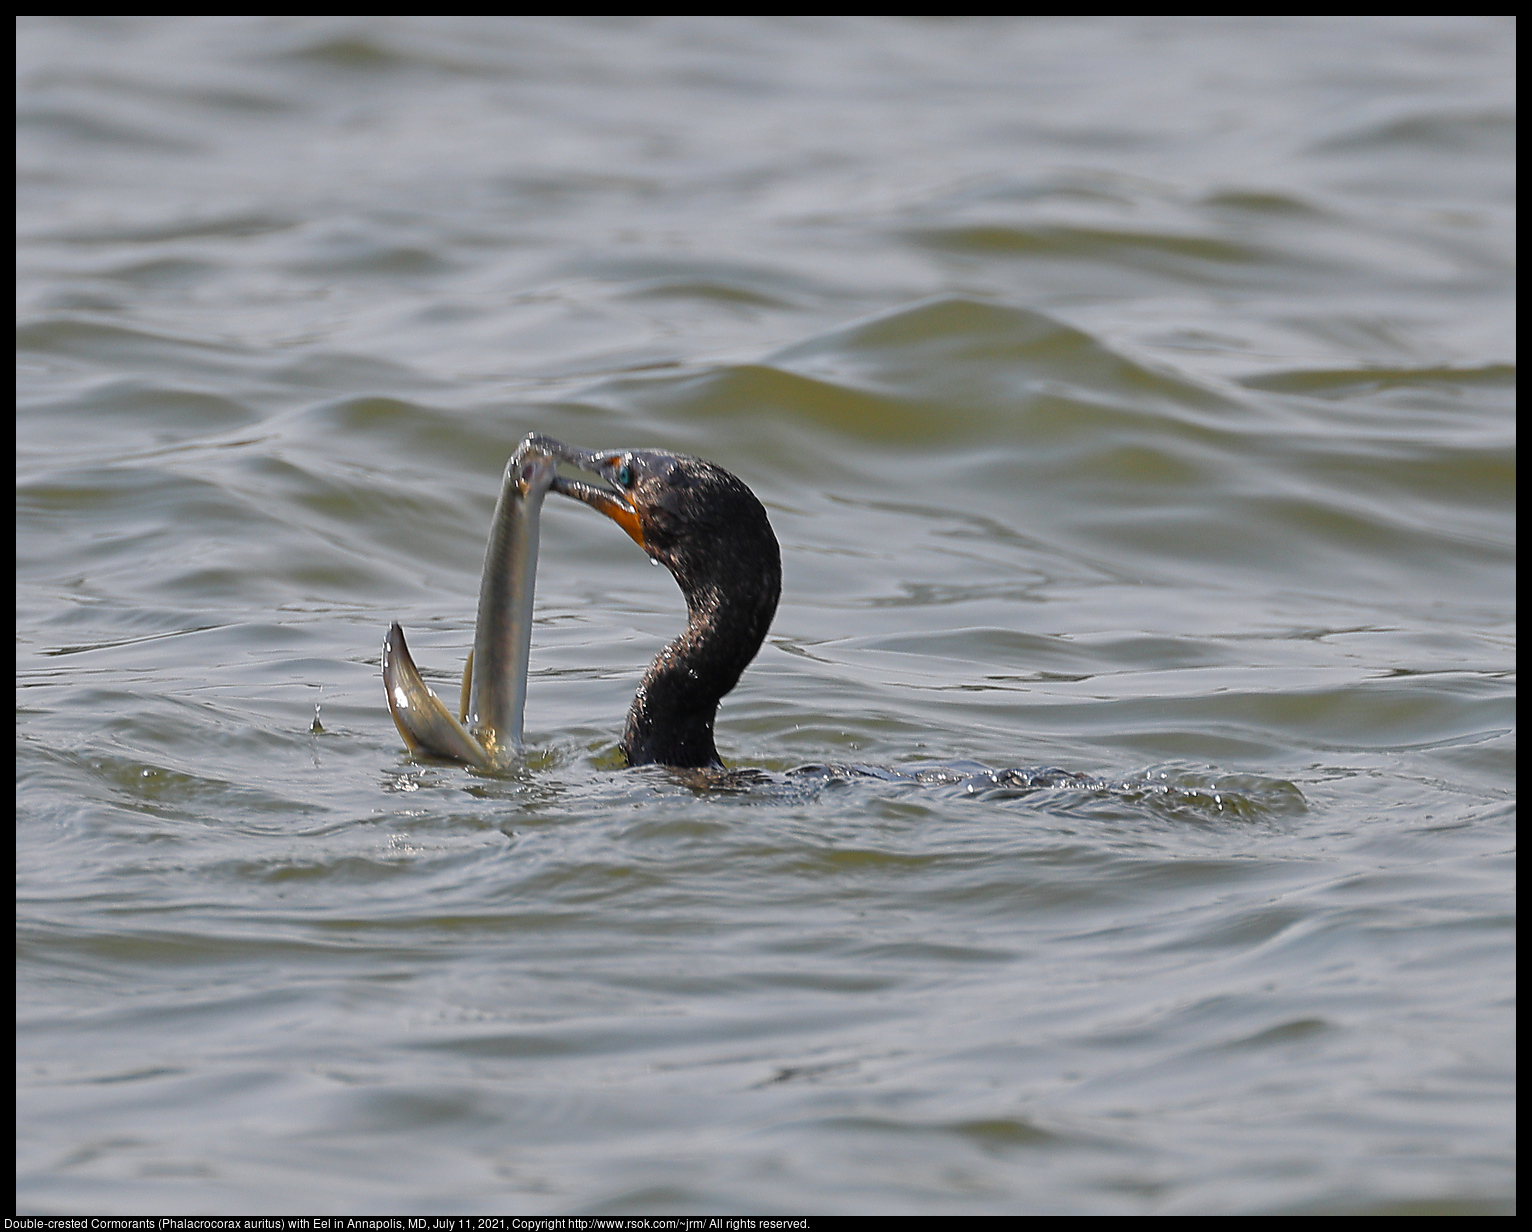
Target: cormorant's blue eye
{"points": [[625, 476]]}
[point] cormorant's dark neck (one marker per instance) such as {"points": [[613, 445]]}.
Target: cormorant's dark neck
{"points": [[731, 595]]}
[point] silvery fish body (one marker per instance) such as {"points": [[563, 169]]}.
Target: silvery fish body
{"points": [[487, 729]]}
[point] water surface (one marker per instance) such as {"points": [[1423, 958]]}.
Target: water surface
{"points": [[1133, 396]]}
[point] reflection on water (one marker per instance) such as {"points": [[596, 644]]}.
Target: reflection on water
{"points": [[1133, 401]]}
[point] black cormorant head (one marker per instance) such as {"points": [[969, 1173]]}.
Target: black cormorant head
{"points": [[698, 520], [709, 530]]}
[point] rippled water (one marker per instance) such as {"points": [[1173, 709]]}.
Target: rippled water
{"points": [[1129, 396]]}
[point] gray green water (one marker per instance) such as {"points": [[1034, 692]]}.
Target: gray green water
{"points": [[1132, 396]]}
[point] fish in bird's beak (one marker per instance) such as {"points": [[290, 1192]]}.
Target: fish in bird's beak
{"points": [[616, 468], [487, 729]]}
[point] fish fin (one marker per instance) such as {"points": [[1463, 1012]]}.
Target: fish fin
{"points": [[422, 720]]}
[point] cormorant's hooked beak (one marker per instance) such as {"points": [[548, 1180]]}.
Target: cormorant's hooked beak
{"points": [[604, 500]]}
